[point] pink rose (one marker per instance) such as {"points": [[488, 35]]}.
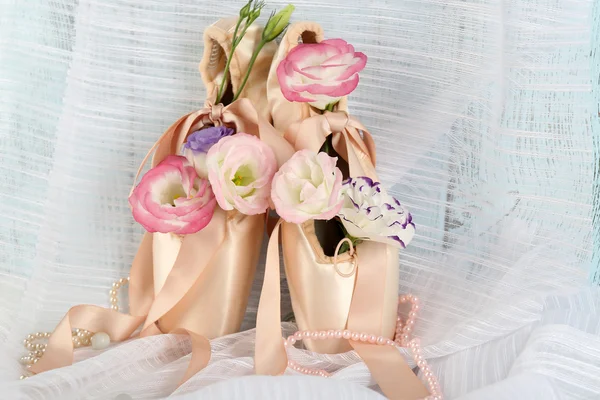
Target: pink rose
{"points": [[320, 73], [240, 169], [172, 198], [308, 186]]}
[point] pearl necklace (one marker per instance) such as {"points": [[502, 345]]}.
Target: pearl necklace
{"points": [[98, 341], [402, 339], [80, 337]]}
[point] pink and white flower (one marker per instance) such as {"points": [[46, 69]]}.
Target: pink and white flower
{"points": [[172, 198], [320, 73], [240, 170], [369, 213], [308, 186]]}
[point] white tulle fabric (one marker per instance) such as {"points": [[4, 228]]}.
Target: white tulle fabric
{"points": [[483, 113]]}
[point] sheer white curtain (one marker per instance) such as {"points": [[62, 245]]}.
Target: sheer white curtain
{"points": [[483, 113]]}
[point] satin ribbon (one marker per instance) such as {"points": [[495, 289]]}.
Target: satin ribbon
{"points": [[386, 363], [146, 309]]}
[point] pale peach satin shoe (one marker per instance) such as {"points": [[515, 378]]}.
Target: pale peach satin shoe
{"points": [[197, 284], [356, 292], [216, 305], [320, 296]]}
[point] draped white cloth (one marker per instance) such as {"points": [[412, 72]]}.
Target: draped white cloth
{"points": [[484, 114]]}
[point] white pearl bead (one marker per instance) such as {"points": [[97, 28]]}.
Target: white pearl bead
{"points": [[100, 341], [114, 307]]}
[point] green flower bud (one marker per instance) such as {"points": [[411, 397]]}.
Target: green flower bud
{"points": [[245, 11], [277, 23]]}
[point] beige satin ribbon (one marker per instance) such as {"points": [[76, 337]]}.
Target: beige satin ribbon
{"points": [[145, 308], [386, 364]]}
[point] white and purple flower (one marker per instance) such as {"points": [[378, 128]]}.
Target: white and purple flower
{"points": [[199, 143], [369, 213]]}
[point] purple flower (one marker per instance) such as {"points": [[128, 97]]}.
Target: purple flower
{"points": [[198, 144], [204, 139], [370, 213]]}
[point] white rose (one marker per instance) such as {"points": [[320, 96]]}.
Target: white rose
{"points": [[307, 186]]}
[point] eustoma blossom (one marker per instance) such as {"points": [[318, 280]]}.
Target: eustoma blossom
{"points": [[307, 186], [320, 73], [172, 198], [198, 143], [240, 170], [369, 213]]}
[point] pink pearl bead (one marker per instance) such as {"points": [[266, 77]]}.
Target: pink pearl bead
{"points": [[338, 334], [372, 339], [355, 336], [419, 358], [292, 340], [330, 334], [346, 334], [421, 364], [416, 307], [314, 335], [323, 335], [405, 337], [298, 335], [389, 342], [410, 322], [412, 315], [402, 299], [285, 343], [416, 341], [427, 369], [407, 329], [415, 299], [364, 337], [381, 340]]}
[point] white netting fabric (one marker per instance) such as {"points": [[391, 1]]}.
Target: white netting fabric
{"points": [[482, 112]]}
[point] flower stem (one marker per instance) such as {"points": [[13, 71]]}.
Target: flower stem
{"points": [[234, 44], [329, 107], [250, 65], [345, 246]]}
